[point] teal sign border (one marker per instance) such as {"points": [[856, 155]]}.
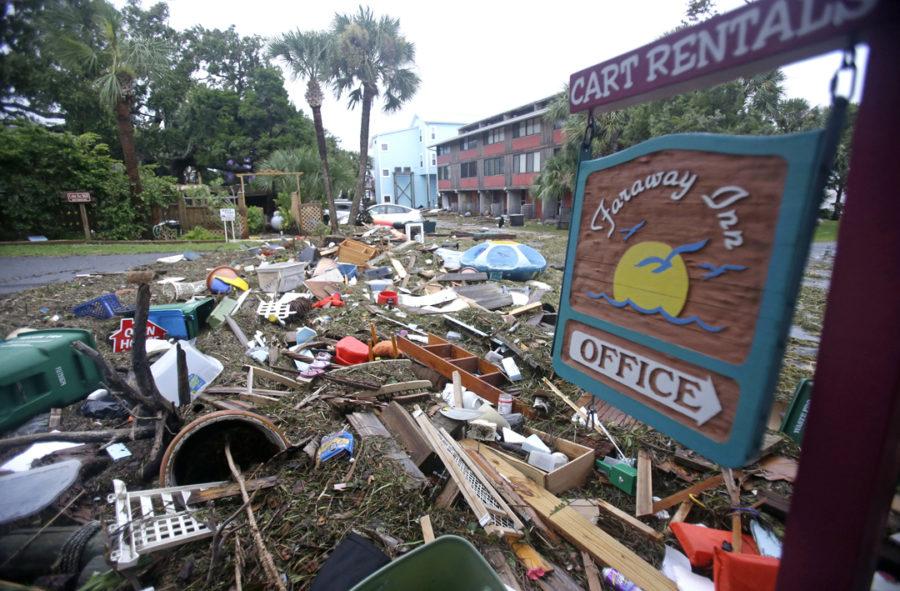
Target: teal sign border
{"points": [[758, 375]]}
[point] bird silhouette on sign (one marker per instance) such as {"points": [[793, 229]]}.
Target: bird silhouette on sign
{"points": [[717, 270], [666, 263], [629, 232]]}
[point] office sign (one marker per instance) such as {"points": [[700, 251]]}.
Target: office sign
{"points": [[751, 39], [685, 255]]}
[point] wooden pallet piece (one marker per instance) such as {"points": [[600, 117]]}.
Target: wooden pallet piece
{"points": [[401, 424], [427, 530], [498, 561], [578, 530], [492, 512], [643, 504], [368, 426]]}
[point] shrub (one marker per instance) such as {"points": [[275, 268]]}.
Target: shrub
{"points": [[256, 220], [200, 233]]}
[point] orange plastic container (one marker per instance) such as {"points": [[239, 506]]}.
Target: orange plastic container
{"points": [[700, 542], [350, 351], [744, 572]]}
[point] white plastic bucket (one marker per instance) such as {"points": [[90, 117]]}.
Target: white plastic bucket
{"points": [[202, 370]]}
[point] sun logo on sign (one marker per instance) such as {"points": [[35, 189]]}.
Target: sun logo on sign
{"points": [[652, 278]]}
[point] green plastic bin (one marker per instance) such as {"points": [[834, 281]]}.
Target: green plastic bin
{"points": [[182, 320], [449, 563], [40, 370]]}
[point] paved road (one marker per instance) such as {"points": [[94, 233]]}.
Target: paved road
{"points": [[21, 273]]}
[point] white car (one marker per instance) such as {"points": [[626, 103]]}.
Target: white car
{"points": [[388, 214]]}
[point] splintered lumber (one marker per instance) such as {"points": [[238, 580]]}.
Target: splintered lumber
{"points": [[241, 337], [492, 512], [591, 573], [681, 514], [501, 567], [230, 490], [368, 425], [79, 436], [461, 277], [578, 530], [628, 519], [404, 387], [265, 374], [427, 530], [448, 495], [598, 426], [402, 426], [398, 267], [509, 493], [644, 490], [684, 494], [523, 309]]}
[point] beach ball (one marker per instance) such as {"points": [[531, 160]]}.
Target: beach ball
{"points": [[505, 258]]}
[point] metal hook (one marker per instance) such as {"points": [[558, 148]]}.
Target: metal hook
{"points": [[848, 63]]}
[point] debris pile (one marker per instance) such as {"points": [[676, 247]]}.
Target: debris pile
{"points": [[348, 413]]}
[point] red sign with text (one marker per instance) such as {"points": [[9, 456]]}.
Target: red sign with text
{"points": [[123, 338]]}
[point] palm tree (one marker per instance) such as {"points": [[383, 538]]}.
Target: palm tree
{"points": [[372, 59], [309, 55], [117, 61]]}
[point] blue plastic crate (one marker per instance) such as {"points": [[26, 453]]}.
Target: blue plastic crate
{"points": [[102, 307]]}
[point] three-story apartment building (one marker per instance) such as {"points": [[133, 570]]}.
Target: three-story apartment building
{"points": [[489, 166]]}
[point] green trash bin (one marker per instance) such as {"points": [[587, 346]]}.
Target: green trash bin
{"points": [[449, 563], [40, 370], [182, 320]]}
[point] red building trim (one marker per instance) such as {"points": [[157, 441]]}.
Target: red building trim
{"points": [[494, 182], [443, 159], [469, 183], [559, 136], [523, 143], [495, 149], [524, 179], [467, 155], [444, 184]]}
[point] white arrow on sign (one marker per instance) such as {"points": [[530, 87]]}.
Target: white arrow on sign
{"points": [[691, 396]]}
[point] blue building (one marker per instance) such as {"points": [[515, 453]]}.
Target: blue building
{"points": [[404, 168]]}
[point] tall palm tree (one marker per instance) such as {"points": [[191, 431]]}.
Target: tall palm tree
{"points": [[372, 59], [117, 61], [309, 55]]}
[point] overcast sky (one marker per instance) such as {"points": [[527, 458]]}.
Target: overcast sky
{"points": [[477, 58]]}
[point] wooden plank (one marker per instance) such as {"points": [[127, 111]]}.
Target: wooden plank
{"points": [[558, 580], [241, 337], [682, 495], [591, 572], [231, 490], [498, 561], [427, 531], [630, 520], [404, 429], [448, 495], [523, 309], [461, 277], [681, 514], [55, 418], [368, 425], [398, 267], [259, 372], [578, 530], [404, 387], [457, 390], [644, 491]]}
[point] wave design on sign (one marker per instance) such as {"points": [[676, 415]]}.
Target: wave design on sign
{"points": [[655, 311]]}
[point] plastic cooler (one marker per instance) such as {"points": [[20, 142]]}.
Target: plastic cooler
{"points": [[449, 563], [40, 370], [280, 276], [182, 320]]}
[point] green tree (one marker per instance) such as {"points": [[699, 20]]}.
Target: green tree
{"points": [[309, 55], [373, 58], [116, 64], [840, 170]]}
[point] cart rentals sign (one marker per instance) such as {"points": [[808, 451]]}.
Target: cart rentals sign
{"points": [[754, 38], [684, 258]]}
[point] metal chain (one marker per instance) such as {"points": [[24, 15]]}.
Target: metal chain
{"points": [[589, 133]]}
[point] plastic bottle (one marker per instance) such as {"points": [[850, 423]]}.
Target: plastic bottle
{"points": [[504, 403], [617, 580]]}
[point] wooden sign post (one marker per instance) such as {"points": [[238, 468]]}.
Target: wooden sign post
{"points": [[81, 198], [835, 524]]}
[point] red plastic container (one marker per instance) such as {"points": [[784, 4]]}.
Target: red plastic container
{"points": [[350, 351], [388, 298]]}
